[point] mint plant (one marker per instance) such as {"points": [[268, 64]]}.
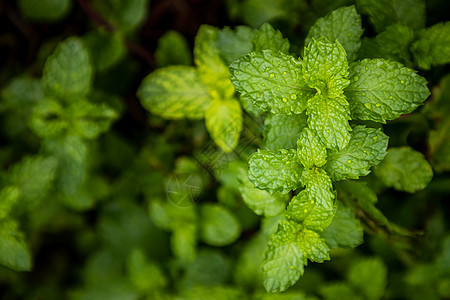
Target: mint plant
{"points": [[331, 92]]}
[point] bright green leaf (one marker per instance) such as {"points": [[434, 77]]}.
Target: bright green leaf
{"points": [[47, 119], [344, 25], [319, 187], [174, 93], [183, 241], [405, 169], [287, 126], [269, 38], [14, 253], [143, 274], [313, 246], [275, 171], [272, 81], [67, 72], [8, 197], [173, 49], [224, 123], [219, 227], [432, 47], [310, 150], [283, 261], [382, 90], [367, 148]]}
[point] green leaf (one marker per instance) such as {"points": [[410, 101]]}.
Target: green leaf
{"points": [[313, 246], [283, 261], [259, 201], [8, 197], [67, 72], [304, 210], [345, 231], [432, 48], [47, 119], [224, 123], [214, 292], [21, 92], [405, 170], [319, 187], [143, 274], [14, 253], [105, 49], [211, 68], [89, 120], [329, 118], [339, 291], [325, 67], [288, 127], [183, 241], [369, 277], [45, 10], [269, 38], [272, 81], [172, 49], [439, 143], [366, 148], [255, 14], [174, 93], [275, 171], [219, 227], [382, 90], [310, 150], [383, 13], [248, 272], [344, 25], [235, 43]]}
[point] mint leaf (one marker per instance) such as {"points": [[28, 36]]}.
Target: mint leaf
{"points": [[272, 81], [211, 68], [261, 202], [287, 126], [219, 227], [224, 123], [146, 276], [345, 231], [310, 150], [67, 72], [439, 143], [344, 25], [14, 254], [432, 47], [173, 49], [174, 93], [383, 13], [313, 246], [47, 119], [21, 91], [235, 43], [269, 38], [275, 171], [105, 49], [329, 118], [283, 261], [369, 276], [339, 291], [303, 209], [325, 67], [405, 169], [183, 241], [8, 197], [48, 10], [319, 187], [366, 148], [382, 90]]}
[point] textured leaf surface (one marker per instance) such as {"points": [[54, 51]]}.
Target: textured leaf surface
{"points": [[319, 187], [269, 38], [272, 81], [283, 262], [219, 227], [224, 123], [367, 148], [261, 202], [303, 209], [382, 90], [433, 46], [313, 246], [310, 150], [369, 277], [383, 13], [175, 93], [173, 49], [325, 67], [275, 171], [345, 231], [14, 253], [67, 72], [283, 131], [405, 169], [344, 25], [329, 118]]}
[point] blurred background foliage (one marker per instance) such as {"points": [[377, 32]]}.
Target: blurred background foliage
{"points": [[102, 200]]}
